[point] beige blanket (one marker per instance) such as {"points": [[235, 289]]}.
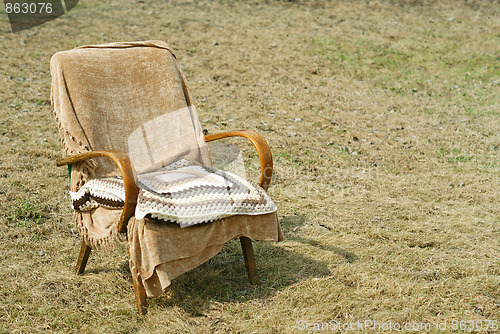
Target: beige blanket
{"points": [[133, 97]]}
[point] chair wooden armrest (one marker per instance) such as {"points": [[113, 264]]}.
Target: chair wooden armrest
{"points": [[260, 144], [127, 172]]}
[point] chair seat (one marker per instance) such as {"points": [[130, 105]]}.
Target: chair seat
{"points": [[183, 192], [162, 251]]}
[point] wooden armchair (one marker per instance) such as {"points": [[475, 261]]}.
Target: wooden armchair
{"points": [[83, 112]]}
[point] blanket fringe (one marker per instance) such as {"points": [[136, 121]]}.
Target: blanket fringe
{"points": [[104, 243]]}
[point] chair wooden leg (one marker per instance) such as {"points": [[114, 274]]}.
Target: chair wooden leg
{"points": [[248, 255], [83, 257], [140, 293]]}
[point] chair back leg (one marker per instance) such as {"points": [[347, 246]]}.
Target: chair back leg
{"points": [[248, 255], [83, 257]]}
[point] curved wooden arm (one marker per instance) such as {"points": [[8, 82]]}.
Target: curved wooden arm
{"points": [[265, 157], [128, 174]]}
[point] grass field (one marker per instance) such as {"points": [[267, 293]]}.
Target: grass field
{"points": [[384, 121]]}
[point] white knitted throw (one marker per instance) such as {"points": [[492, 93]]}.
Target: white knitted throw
{"points": [[183, 192]]}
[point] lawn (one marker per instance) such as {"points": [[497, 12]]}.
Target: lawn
{"points": [[384, 122]]}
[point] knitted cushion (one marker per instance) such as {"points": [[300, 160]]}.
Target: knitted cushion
{"points": [[183, 192]]}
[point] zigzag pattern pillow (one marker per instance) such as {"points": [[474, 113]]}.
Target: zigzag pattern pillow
{"points": [[183, 192]]}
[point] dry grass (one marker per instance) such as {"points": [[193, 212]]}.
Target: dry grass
{"points": [[383, 117]]}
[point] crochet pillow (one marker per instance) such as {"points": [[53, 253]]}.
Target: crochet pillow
{"points": [[183, 192]]}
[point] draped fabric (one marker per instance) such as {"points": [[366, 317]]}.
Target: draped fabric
{"points": [[132, 97]]}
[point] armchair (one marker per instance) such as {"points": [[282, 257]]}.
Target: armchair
{"points": [[123, 110]]}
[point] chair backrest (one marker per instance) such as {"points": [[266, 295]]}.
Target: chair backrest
{"points": [[130, 97]]}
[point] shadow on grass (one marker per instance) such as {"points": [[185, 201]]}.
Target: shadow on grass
{"points": [[348, 256], [292, 223], [224, 279]]}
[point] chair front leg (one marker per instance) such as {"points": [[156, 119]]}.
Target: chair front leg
{"points": [[141, 300], [248, 255], [83, 257]]}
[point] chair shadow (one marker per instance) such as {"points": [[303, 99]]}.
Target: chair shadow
{"points": [[224, 279], [291, 223], [348, 256], [122, 268]]}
